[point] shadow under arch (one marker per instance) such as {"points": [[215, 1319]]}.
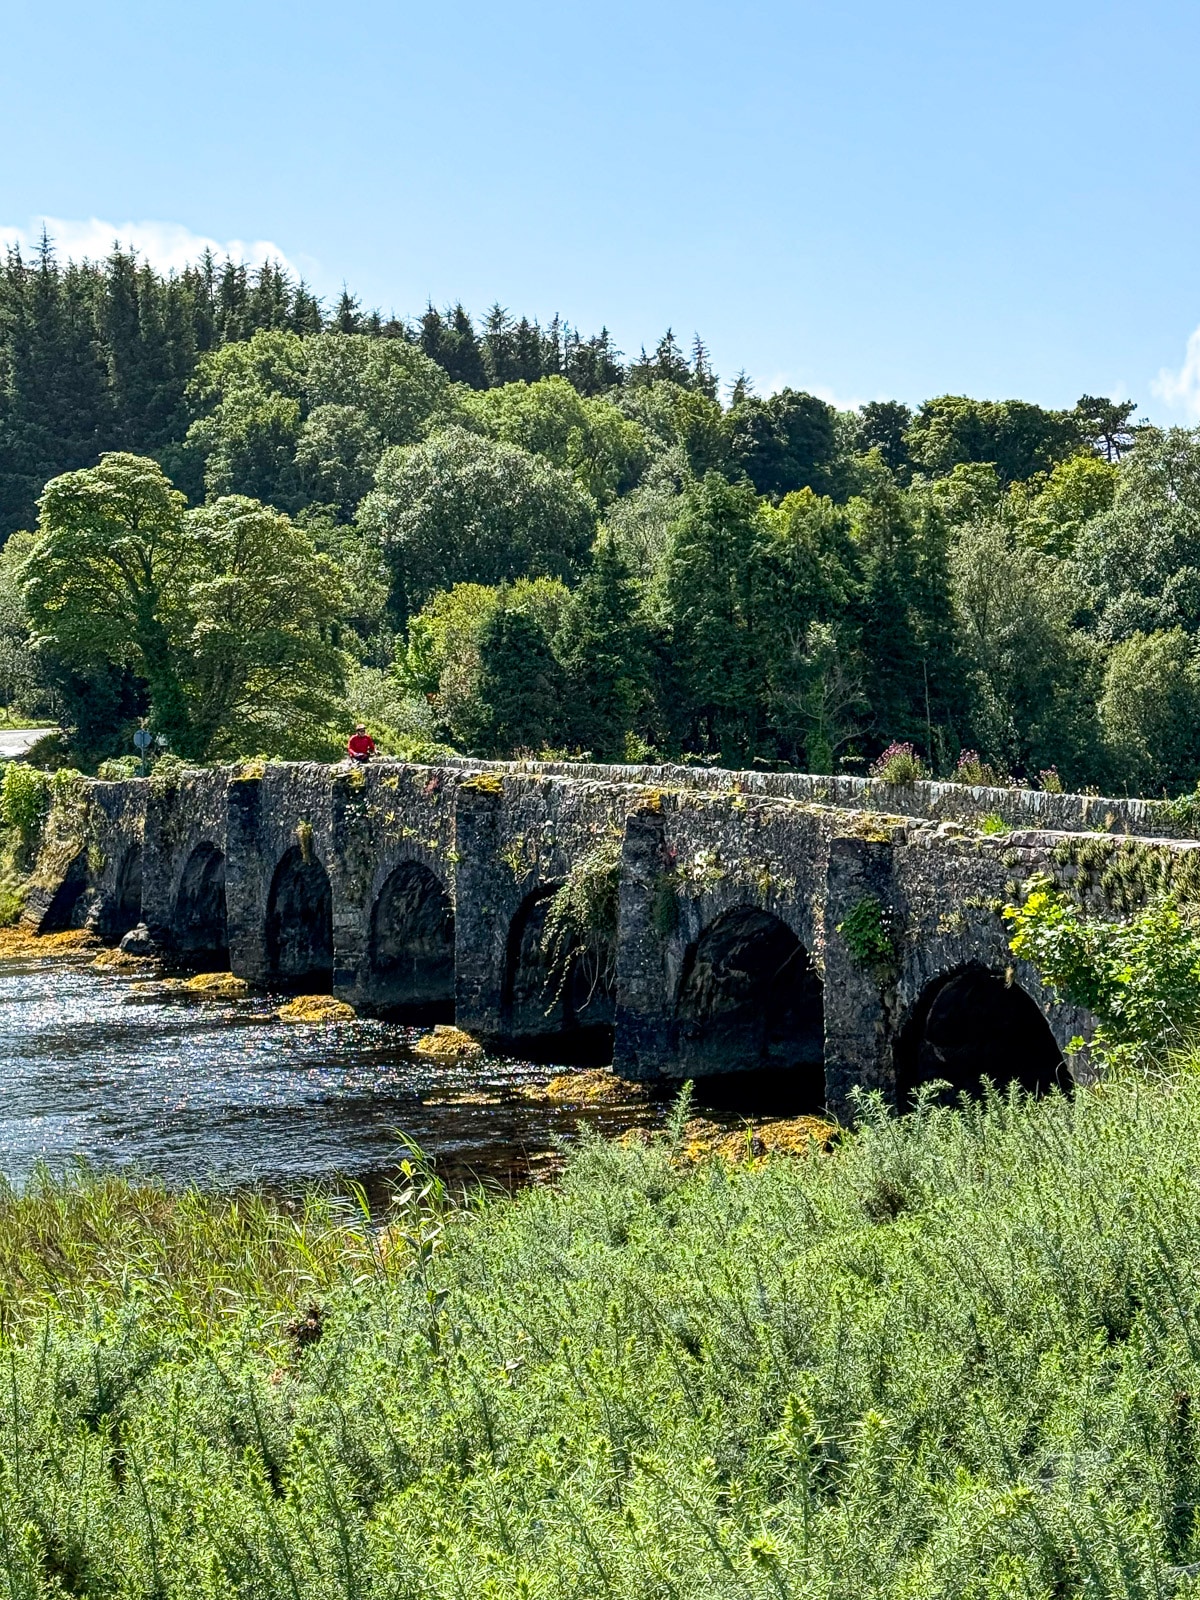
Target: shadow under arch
{"points": [[199, 932], [300, 924], [60, 913], [969, 1025], [411, 948], [124, 908], [750, 1001], [556, 1015]]}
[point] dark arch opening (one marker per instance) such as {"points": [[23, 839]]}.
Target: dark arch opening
{"points": [[124, 909], [199, 931], [412, 947], [972, 1025], [60, 913], [750, 1001], [300, 924], [563, 1016]]}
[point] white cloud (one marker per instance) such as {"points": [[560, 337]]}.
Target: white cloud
{"points": [[168, 246], [789, 380], [1181, 390]]}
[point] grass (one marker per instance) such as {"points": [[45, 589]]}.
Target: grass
{"points": [[956, 1359]]}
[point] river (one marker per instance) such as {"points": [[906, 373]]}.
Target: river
{"points": [[98, 1069]]}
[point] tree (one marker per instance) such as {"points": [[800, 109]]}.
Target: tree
{"points": [[109, 573], [252, 397], [813, 687], [442, 659], [1018, 438], [604, 451], [397, 389], [784, 443], [911, 669], [226, 612], [259, 664], [1150, 711], [602, 648], [712, 607], [882, 426], [1032, 678], [1139, 563], [1054, 515], [520, 685], [1105, 425], [462, 509], [673, 417]]}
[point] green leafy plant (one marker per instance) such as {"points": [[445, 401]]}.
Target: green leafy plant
{"points": [[993, 823], [24, 798], [868, 938], [1140, 978], [581, 922]]}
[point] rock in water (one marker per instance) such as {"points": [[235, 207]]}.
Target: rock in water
{"points": [[447, 1044], [216, 986], [316, 1008], [138, 942]]}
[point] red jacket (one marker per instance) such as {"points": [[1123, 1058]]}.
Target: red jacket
{"points": [[360, 744]]}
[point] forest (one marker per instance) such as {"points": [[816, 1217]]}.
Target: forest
{"points": [[249, 520]]}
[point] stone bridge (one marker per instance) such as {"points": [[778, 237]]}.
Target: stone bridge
{"points": [[835, 932]]}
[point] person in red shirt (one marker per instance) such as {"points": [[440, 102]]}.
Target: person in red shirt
{"points": [[360, 745]]}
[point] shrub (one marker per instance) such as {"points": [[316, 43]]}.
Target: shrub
{"points": [[899, 763], [24, 798], [1141, 978], [975, 771], [118, 768], [993, 823], [1049, 780]]}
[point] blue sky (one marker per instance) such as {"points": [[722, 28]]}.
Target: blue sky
{"points": [[868, 200]]}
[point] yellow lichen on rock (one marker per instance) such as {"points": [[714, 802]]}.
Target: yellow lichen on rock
{"points": [[795, 1136], [315, 1008], [595, 1087], [216, 986], [118, 960], [447, 1044], [19, 941]]}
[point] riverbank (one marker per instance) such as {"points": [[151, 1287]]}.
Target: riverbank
{"points": [[955, 1356]]}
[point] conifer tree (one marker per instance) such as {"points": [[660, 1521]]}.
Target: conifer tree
{"points": [[602, 645]]}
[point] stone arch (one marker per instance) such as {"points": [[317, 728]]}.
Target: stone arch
{"points": [[300, 924], [971, 1024], [749, 999], [570, 1013], [198, 920], [64, 902], [411, 947], [529, 1004], [124, 907]]}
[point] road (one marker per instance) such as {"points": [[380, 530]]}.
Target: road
{"points": [[15, 742]]}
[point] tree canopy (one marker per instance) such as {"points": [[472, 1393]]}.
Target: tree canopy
{"points": [[248, 517]]}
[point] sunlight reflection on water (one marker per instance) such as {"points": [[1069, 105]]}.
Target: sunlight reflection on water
{"points": [[221, 1094]]}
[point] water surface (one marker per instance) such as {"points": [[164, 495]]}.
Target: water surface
{"points": [[221, 1094]]}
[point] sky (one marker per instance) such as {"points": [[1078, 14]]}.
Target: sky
{"points": [[867, 200]]}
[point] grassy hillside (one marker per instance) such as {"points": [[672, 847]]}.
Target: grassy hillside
{"points": [[959, 1357]]}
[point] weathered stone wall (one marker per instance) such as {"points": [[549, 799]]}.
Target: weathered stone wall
{"points": [[183, 816], [414, 890], [517, 838], [937, 802]]}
